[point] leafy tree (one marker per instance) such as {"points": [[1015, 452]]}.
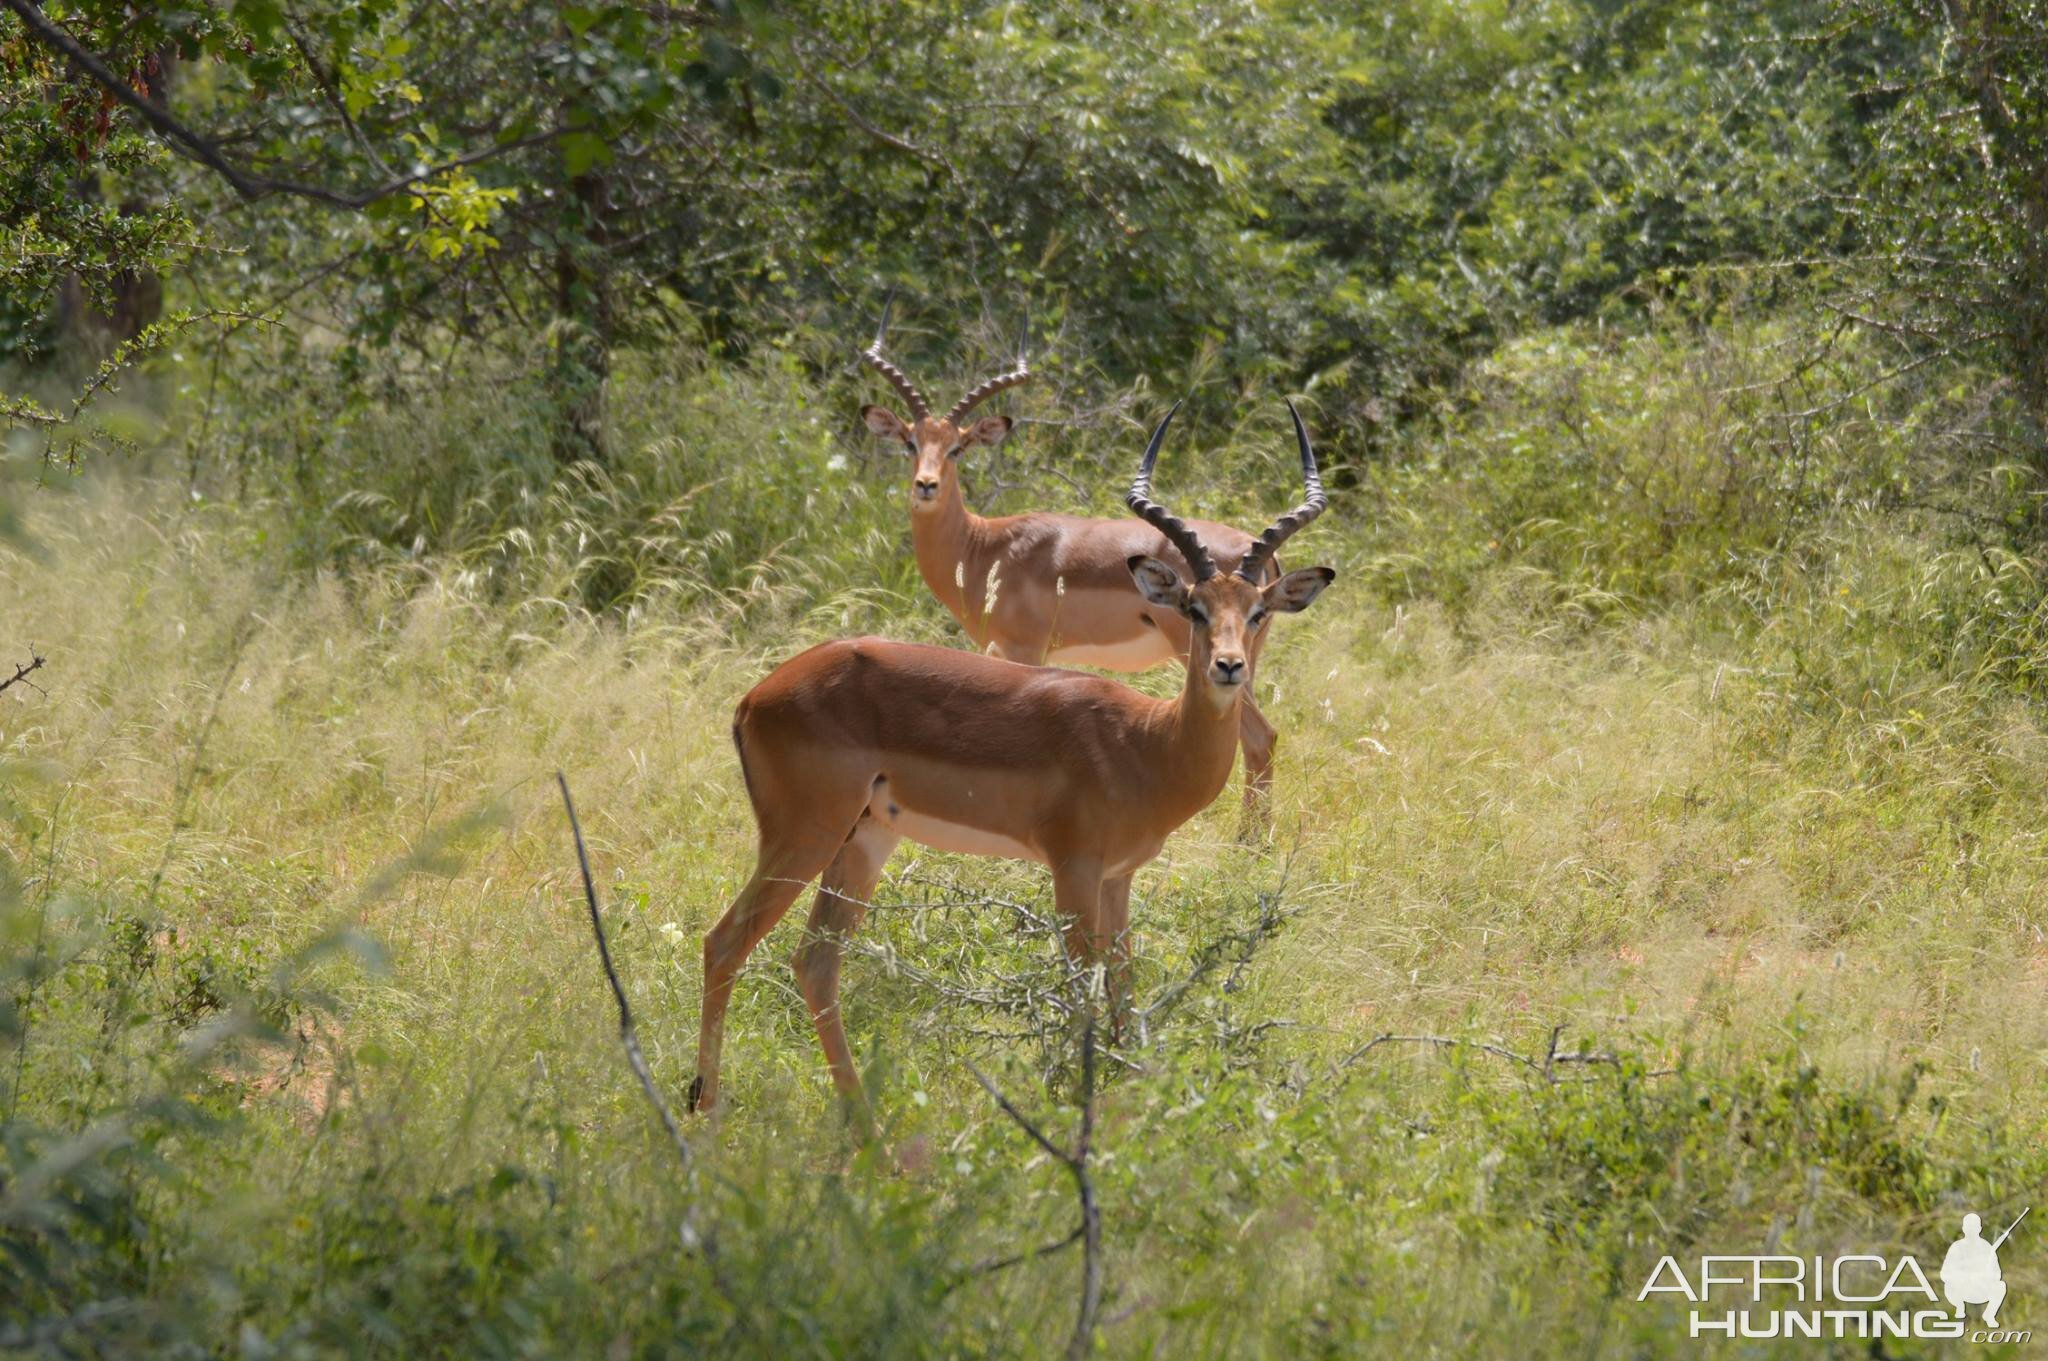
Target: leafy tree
{"points": [[506, 173], [79, 224], [1950, 222]]}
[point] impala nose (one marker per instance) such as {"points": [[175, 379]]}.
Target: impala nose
{"points": [[1228, 670], [925, 489]]}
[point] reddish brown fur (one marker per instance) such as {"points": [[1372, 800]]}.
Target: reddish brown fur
{"points": [[1034, 554], [847, 740]]}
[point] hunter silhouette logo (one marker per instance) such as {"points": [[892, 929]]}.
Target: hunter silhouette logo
{"points": [[1856, 1295], [1970, 1275]]}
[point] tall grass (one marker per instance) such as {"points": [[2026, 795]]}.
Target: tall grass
{"points": [[1720, 781]]}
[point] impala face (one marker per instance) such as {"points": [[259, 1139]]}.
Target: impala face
{"points": [[935, 442], [1225, 612], [934, 446]]}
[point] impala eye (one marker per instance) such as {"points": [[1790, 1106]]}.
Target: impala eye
{"points": [[1199, 615], [1251, 621]]}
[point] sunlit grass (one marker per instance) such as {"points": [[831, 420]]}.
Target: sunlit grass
{"points": [[1749, 832]]}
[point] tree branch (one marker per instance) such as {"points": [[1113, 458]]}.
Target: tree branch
{"points": [[627, 1036], [206, 151], [854, 115], [1089, 1231], [1544, 1067], [21, 673]]}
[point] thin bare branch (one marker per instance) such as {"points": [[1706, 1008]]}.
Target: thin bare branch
{"points": [[1545, 1067], [1083, 1340], [996, 1264], [627, 1035], [854, 115], [35, 662], [1018, 1118]]}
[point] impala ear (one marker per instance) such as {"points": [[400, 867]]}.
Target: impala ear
{"points": [[1297, 590], [1157, 582], [885, 423], [991, 430]]}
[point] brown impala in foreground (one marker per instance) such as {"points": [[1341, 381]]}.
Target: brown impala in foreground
{"points": [[854, 745], [1049, 588]]}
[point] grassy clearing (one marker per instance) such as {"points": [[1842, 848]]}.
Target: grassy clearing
{"points": [[1777, 830]]}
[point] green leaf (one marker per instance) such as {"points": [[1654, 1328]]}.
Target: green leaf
{"points": [[582, 150]]}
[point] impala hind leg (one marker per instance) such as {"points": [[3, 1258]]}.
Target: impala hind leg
{"points": [[836, 914], [785, 865]]}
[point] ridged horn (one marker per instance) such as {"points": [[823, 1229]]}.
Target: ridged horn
{"points": [[988, 388], [1139, 499], [1313, 501], [898, 379]]}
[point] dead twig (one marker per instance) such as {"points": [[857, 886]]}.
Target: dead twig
{"points": [[628, 1037], [1089, 1231], [1545, 1067], [35, 662], [996, 1264]]}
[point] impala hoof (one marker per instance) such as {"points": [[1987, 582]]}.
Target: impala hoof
{"points": [[696, 1097]]}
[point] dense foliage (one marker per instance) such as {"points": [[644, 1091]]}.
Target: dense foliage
{"points": [[1218, 194]]}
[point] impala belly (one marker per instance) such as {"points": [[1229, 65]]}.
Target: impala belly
{"points": [[940, 833], [1110, 631], [1132, 654]]}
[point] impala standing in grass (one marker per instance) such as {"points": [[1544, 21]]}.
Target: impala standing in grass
{"points": [[1041, 587], [854, 745]]}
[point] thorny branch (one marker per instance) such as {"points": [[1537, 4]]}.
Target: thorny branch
{"points": [[1062, 1004], [1544, 1067], [1236, 947]]}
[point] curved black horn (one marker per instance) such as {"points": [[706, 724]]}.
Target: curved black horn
{"points": [[898, 379], [1313, 501], [1139, 499], [1016, 377]]}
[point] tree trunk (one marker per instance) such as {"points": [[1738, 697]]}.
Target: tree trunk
{"points": [[87, 334], [1989, 31], [583, 326]]}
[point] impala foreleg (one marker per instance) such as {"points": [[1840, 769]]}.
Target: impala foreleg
{"points": [[1115, 919], [836, 914], [1092, 934]]}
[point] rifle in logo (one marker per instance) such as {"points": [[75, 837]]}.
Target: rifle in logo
{"points": [[1970, 1274]]}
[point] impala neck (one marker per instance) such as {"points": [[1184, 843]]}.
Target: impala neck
{"points": [[1202, 741], [944, 537]]}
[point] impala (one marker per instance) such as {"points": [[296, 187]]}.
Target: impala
{"points": [[1041, 587], [854, 745]]}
